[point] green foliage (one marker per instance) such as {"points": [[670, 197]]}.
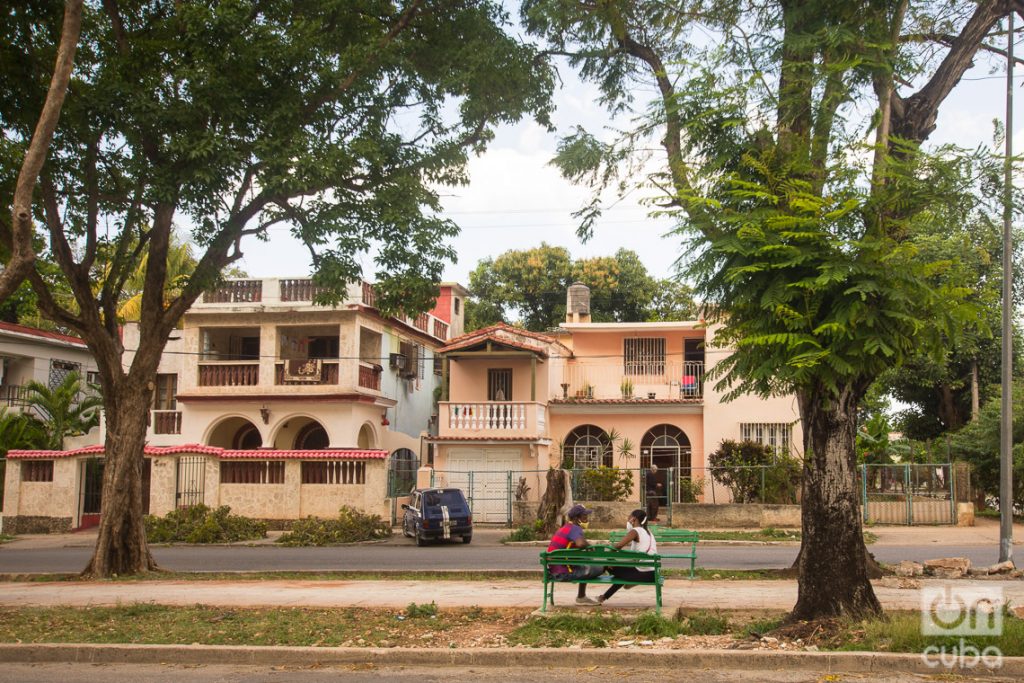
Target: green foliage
{"points": [[754, 473], [350, 526], [605, 483], [20, 431], [978, 444], [526, 532], [690, 490], [202, 524], [706, 624], [561, 629], [66, 409], [653, 625], [414, 611], [530, 285]]}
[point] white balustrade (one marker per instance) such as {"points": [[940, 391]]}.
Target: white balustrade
{"points": [[489, 416]]}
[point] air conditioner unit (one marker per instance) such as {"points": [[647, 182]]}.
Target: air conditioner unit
{"points": [[397, 361]]}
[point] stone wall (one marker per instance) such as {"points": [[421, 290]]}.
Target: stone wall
{"points": [[733, 516], [27, 524]]}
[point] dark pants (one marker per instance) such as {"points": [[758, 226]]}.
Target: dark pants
{"points": [[629, 574], [652, 505]]}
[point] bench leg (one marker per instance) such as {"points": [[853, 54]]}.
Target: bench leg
{"points": [[544, 606], [693, 561], [657, 594]]}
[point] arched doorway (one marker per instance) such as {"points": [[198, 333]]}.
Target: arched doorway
{"points": [[235, 433], [668, 447], [587, 447], [402, 467], [367, 438], [312, 437]]}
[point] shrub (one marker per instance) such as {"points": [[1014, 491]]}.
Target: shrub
{"points": [[414, 611], [605, 483], [705, 624], [655, 626], [350, 526], [203, 524], [690, 490], [754, 473], [526, 532]]}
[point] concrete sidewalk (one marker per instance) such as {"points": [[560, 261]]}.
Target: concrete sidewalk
{"points": [[395, 594]]}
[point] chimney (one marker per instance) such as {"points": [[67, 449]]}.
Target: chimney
{"points": [[577, 303]]}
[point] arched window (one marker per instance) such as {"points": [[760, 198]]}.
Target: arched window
{"points": [[312, 437], [402, 467], [587, 447]]}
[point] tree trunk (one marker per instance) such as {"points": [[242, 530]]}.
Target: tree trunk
{"points": [[975, 392], [832, 566], [121, 546], [556, 501]]}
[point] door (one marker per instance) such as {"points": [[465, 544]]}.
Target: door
{"points": [[483, 475], [92, 493]]}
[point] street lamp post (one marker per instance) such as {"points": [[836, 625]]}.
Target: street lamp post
{"points": [[1006, 423]]}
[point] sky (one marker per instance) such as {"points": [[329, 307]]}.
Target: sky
{"points": [[516, 199]]}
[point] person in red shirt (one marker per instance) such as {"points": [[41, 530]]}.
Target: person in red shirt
{"points": [[571, 535]]}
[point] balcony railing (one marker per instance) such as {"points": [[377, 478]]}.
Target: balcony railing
{"points": [[229, 374], [13, 395], [661, 380], [421, 322], [328, 375], [492, 415], [299, 290], [235, 291], [369, 375], [167, 422], [440, 329]]}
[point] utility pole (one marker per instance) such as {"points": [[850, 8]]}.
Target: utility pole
{"points": [[1006, 423]]}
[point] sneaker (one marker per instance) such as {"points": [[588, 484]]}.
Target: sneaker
{"points": [[601, 599], [587, 601]]}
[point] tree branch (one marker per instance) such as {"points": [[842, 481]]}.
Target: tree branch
{"points": [[20, 263]]}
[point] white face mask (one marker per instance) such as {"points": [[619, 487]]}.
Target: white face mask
{"points": [[629, 526]]}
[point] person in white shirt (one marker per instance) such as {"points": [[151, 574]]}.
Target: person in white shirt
{"points": [[639, 539]]}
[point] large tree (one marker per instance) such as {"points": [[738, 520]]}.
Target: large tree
{"points": [[797, 195], [337, 119], [530, 286]]}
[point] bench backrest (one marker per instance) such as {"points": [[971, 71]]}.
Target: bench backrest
{"points": [[661, 535], [599, 556]]}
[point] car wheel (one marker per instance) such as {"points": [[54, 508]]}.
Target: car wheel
{"points": [[420, 541], [467, 539]]}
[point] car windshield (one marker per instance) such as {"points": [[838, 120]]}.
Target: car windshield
{"points": [[447, 498]]}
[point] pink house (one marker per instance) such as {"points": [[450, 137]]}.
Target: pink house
{"points": [[625, 395]]}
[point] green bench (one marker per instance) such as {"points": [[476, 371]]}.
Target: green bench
{"points": [[600, 556], [668, 535]]}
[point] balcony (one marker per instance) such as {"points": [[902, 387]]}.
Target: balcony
{"points": [[492, 418], [369, 375], [299, 290], [167, 422], [229, 374], [13, 395], [235, 291], [321, 373], [658, 380], [440, 329]]}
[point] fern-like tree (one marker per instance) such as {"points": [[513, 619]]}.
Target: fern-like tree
{"points": [[791, 139], [65, 410]]}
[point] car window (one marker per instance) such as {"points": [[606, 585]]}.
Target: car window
{"points": [[452, 498], [431, 498]]}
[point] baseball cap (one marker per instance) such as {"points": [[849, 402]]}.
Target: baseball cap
{"points": [[578, 511]]}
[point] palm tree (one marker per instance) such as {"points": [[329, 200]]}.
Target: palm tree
{"points": [[65, 410], [180, 264], [18, 431]]}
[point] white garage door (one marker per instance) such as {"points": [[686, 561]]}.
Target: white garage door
{"points": [[483, 475]]}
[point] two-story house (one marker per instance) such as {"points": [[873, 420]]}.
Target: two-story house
{"points": [[276, 407], [624, 395]]}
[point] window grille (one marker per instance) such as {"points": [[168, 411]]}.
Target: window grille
{"points": [[333, 472], [499, 384], [37, 470], [775, 435], [644, 356], [252, 472], [60, 369]]}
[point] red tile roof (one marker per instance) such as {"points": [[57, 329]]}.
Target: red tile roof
{"points": [[477, 336], [43, 334], [222, 453]]}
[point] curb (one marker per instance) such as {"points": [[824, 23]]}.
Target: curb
{"points": [[746, 660]]}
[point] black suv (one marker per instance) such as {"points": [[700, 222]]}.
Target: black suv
{"points": [[437, 514]]}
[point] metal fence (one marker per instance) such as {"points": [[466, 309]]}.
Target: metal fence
{"points": [[491, 494], [908, 493]]}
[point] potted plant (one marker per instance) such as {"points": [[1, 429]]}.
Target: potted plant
{"points": [[626, 386], [588, 390]]}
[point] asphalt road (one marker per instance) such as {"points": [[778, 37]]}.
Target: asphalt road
{"points": [[401, 554]]}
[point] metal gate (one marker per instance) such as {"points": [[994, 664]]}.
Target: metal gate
{"points": [[91, 493], [908, 494], [489, 493], [191, 478]]}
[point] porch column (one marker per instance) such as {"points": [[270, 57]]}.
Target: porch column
{"points": [[533, 378], [444, 378]]}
